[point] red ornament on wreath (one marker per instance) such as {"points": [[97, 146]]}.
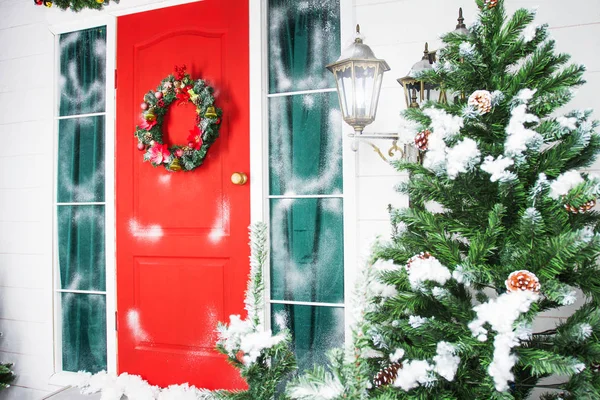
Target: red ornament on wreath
{"points": [[180, 88]]}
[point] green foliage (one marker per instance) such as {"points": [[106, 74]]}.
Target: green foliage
{"points": [[275, 362], [489, 227], [78, 5], [6, 375]]}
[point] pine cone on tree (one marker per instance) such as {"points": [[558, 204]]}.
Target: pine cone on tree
{"points": [[490, 3], [387, 375], [522, 280], [421, 256], [581, 209], [595, 367], [422, 139], [481, 100]]}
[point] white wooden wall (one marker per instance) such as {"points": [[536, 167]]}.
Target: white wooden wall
{"points": [[392, 28]]}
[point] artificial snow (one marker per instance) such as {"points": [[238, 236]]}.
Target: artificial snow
{"points": [[396, 355], [407, 130], [584, 330], [567, 297], [446, 361], [564, 183], [466, 49], [497, 168], [440, 293], [331, 388], [416, 321], [501, 313], [151, 233], [135, 326], [243, 335], [462, 157], [519, 137], [525, 95], [461, 276], [567, 122], [252, 344], [164, 179], [113, 387], [529, 33], [434, 207], [443, 124], [217, 231], [379, 289], [429, 269], [412, 374], [577, 368]]}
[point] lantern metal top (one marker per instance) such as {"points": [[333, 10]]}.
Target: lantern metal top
{"points": [[422, 65], [358, 51], [461, 27]]}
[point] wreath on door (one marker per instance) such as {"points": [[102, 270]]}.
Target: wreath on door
{"points": [[179, 88]]}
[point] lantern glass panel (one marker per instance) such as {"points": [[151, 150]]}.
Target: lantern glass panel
{"points": [[365, 85], [345, 90], [377, 89]]}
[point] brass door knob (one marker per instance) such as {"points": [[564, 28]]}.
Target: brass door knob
{"points": [[239, 178]]}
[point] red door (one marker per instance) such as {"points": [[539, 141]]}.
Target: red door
{"points": [[182, 253]]}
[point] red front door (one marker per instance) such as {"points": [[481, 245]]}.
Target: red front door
{"points": [[182, 253]]}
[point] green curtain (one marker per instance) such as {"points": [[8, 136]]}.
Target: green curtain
{"points": [[81, 181], [305, 159]]}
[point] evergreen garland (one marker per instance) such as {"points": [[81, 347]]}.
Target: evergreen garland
{"points": [[274, 360], [76, 5]]}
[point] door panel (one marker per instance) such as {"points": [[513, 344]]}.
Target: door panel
{"points": [[182, 253]]}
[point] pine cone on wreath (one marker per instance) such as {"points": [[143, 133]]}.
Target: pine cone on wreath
{"points": [[387, 375], [422, 139], [581, 209], [523, 280], [421, 256]]}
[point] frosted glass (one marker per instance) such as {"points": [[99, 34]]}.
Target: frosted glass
{"points": [[315, 330], [307, 254], [83, 332], [304, 36], [305, 144], [82, 71], [80, 166], [81, 257]]}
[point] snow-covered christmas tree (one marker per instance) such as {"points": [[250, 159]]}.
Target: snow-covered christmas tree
{"points": [[451, 302]]}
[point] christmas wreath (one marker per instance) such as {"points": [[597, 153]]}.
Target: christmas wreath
{"points": [[180, 88]]}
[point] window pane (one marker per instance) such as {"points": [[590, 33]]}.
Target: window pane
{"points": [[305, 144], [82, 71], [307, 255], [81, 160], [304, 36], [315, 330], [83, 332], [81, 248]]}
